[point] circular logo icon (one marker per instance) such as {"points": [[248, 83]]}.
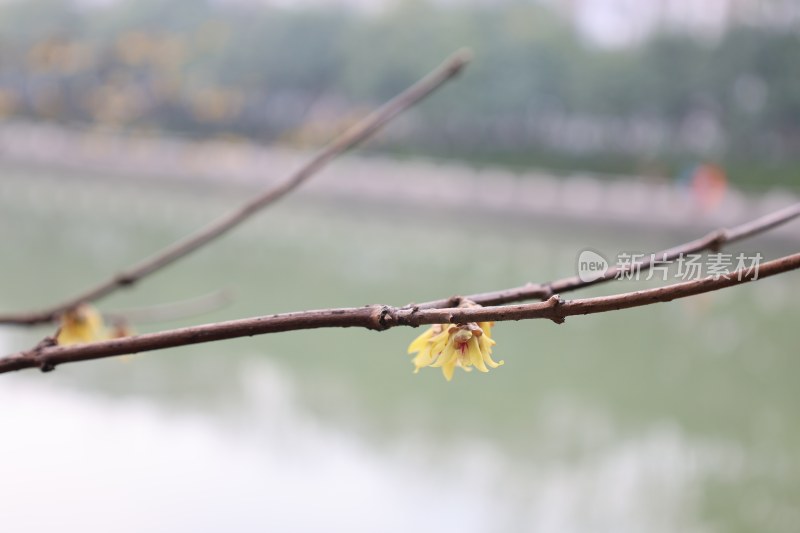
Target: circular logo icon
{"points": [[591, 265]]}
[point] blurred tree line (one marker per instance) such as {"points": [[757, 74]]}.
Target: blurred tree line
{"points": [[536, 93]]}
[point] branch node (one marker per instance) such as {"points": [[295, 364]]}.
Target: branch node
{"points": [[413, 317], [718, 239], [47, 342], [124, 279], [382, 317], [41, 360], [455, 301], [555, 303]]}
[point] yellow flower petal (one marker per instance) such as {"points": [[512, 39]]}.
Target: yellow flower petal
{"points": [[81, 325], [419, 343], [423, 359], [448, 369], [448, 355], [475, 355], [487, 358], [438, 347]]}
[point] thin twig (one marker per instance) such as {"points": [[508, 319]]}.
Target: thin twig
{"points": [[378, 317], [165, 312], [341, 144], [712, 241]]}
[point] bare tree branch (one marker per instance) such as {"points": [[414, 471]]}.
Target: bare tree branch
{"points": [[542, 291], [344, 142], [45, 356]]}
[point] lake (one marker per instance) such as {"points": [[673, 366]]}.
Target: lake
{"points": [[674, 417]]}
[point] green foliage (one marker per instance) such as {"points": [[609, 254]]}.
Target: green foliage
{"points": [[298, 75]]}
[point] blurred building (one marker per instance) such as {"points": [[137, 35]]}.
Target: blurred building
{"points": [[630, 22]]}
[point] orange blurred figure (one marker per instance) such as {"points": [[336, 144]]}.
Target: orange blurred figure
{"points": [[708, 185]]}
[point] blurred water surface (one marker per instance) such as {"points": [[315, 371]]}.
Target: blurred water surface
{"points": [[675, 417]]}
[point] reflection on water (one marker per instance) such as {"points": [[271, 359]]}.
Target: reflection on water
{"points": [[678, 417], [90, 461]]}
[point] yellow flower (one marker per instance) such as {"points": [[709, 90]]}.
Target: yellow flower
{"points": [[80, 325], [455, 345]]}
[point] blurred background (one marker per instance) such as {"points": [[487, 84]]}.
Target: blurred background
{"points": [[616, 125]]}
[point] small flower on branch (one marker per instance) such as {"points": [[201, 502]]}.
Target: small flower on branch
{"points": [[85, 324], [449, 346], [81, 325]]}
